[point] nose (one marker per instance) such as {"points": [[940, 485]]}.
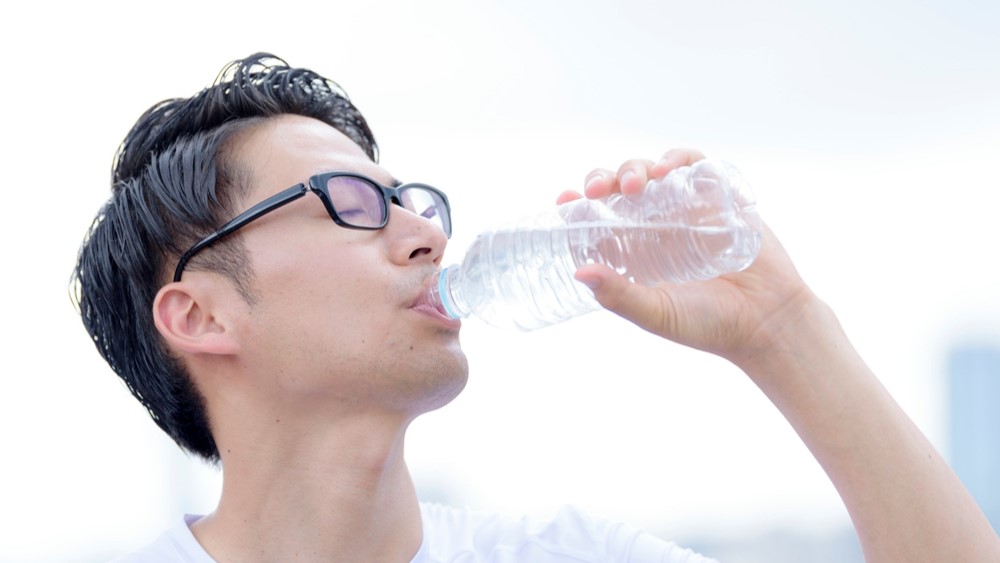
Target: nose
{"points": [[414, 238]]}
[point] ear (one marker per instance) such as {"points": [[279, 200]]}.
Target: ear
{"points": [[191, 320]]}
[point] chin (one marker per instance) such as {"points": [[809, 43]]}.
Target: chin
{"points": [[447, 383]]}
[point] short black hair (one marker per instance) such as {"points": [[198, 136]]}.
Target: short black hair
{"points": [[173, 182]]}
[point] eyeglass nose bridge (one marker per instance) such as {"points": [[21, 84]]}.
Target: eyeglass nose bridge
{"points": [[393, 197]]}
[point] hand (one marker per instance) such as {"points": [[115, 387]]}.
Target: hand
{"points": [[735, 315], [766, 320]]}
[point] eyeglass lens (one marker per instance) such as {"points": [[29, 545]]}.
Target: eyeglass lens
{"points": [[357, 202], [427, 204]]}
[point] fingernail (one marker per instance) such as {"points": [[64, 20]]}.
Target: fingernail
{"points": [[592, 180], [591, 282], [626, 178]]}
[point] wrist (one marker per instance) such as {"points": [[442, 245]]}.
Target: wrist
{"points": [[801, 335]]}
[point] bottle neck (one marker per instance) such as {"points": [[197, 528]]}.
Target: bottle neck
{"points": [[440, 296]]}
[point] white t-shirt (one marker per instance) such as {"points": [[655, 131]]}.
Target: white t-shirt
{"points": [[462, 536]]}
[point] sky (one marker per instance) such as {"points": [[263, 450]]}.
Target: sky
{"points": [[869, 134]]}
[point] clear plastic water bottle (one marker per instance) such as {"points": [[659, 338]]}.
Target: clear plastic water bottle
{"points": [[698, 222]]}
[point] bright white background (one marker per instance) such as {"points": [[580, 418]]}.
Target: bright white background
{"points": [[870, 132]]}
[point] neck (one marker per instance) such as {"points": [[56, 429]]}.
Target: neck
{"points": [[331, 492]]}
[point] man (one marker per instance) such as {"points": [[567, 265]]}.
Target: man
{"points": [[257, 280]]}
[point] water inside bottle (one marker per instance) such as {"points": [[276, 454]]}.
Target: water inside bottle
{"points": [[525, 276]]}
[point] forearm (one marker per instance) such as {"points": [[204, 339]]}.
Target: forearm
{"points": [[904, 500], [906, 503]]}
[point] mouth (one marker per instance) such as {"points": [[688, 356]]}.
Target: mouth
{"points": [[428, 302]]}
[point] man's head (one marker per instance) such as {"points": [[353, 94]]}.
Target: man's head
{"points": [[187, 167]]}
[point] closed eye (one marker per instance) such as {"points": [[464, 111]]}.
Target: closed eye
{"points": [[352, 213]]}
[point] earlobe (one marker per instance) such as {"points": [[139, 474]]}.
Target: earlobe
{"points": [[185, 319]]}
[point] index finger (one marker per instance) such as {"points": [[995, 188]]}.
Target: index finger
{"points": [[676, 158]]}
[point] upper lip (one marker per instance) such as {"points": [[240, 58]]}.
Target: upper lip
{"points": [[424, 291]]}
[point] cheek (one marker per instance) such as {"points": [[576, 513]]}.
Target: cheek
{"points": [[315, 330], [315, 297]]}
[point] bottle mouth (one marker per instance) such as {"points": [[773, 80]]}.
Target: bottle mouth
{"points": [[438, 295]]}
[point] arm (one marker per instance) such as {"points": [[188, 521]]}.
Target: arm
{"points": [[905, 502]]}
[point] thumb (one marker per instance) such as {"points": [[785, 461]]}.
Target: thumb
{"points": [[642, 305]]}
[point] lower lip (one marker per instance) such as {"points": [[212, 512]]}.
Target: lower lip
{"points": [[433, 312]]}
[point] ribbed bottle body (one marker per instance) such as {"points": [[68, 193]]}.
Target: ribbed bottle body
{"points": [[696, 224]]}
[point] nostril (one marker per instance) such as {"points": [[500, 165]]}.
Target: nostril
{"points": [[420, 252]]}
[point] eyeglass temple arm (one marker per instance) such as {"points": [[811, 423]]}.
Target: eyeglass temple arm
{"points": [[277, 200]]}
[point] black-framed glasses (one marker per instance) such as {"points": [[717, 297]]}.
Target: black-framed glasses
{"points": [[352, 200]]}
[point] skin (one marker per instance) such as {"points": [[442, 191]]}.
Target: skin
{"points": [[905, 502], [311, 389]]}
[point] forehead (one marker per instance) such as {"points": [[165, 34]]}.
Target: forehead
{"points": [[288, 149]]}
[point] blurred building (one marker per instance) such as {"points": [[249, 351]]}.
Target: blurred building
{"points": [[974, 384]]}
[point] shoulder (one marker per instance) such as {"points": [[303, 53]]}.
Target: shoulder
{"points": [[176, 544], [571, 535]]}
